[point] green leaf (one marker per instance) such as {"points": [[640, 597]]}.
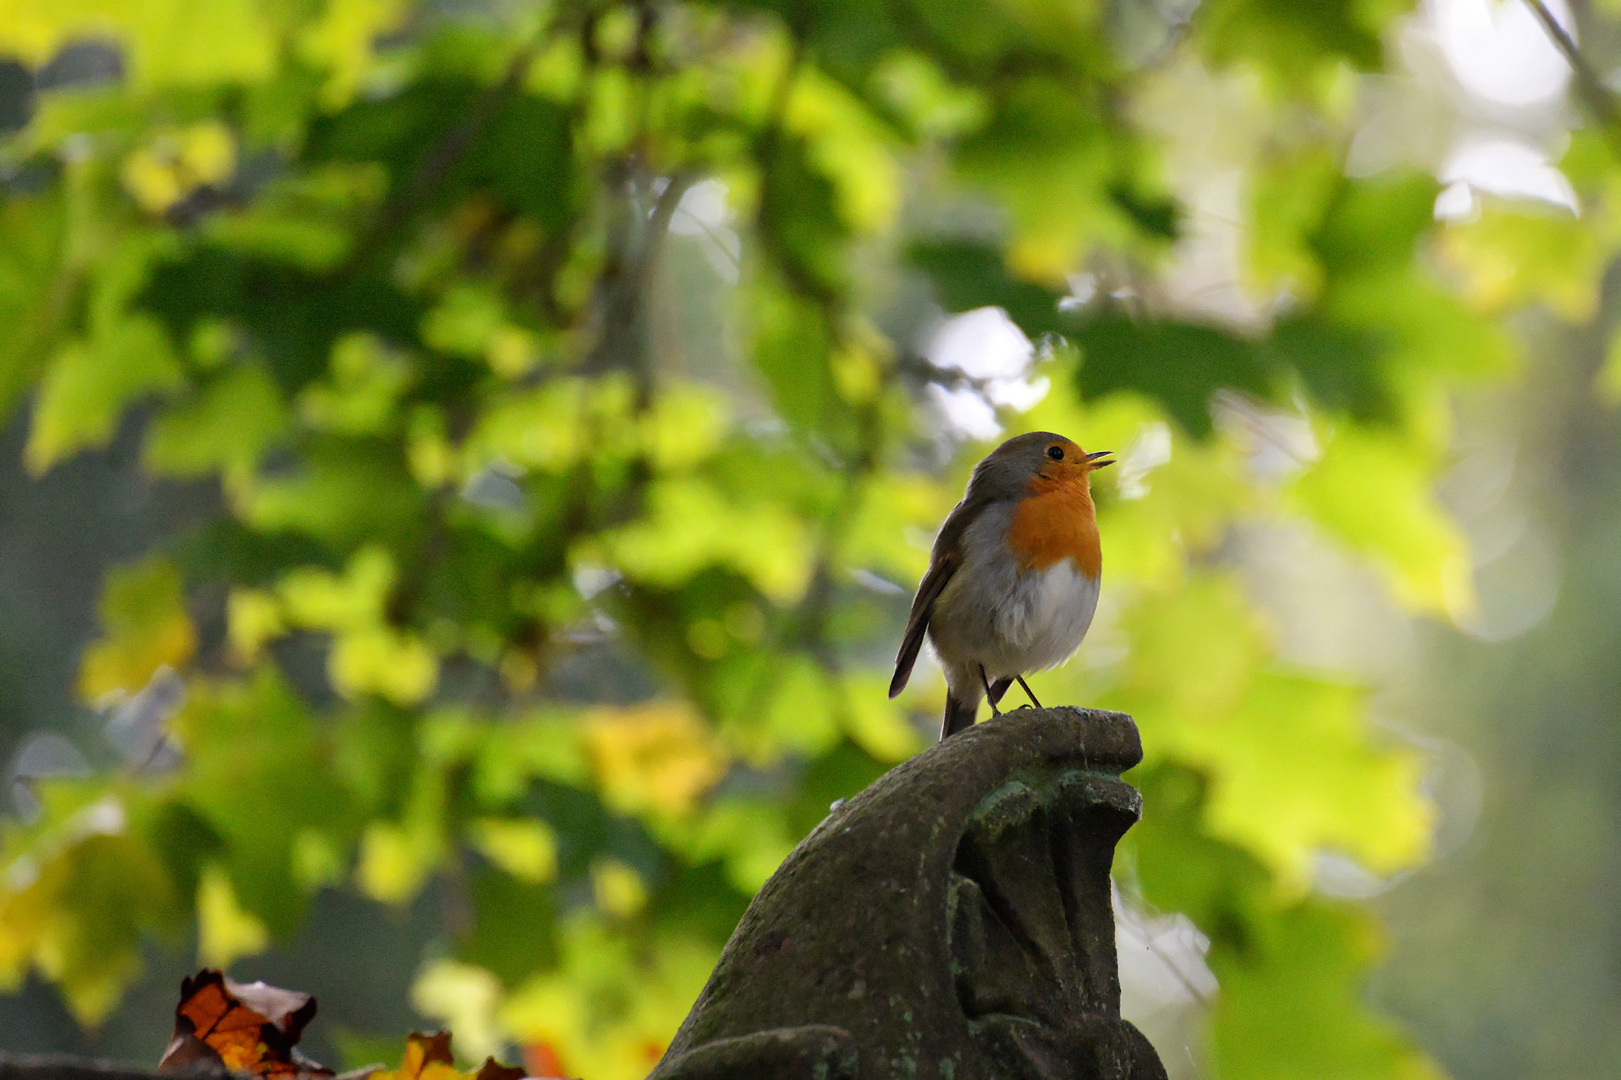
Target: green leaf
{"points": [[919, 94], [225, 932], [848, 146], [1202, 682], [147, 627], [1291, 43], [227, 426], [690, 525], [341, 497], [79, 920], [341, 42], [968, 275], [363, 392], [87, 387], [168, 42], [34, 292], [1373, 226], [1050, 161], [1275, 796], [310, 220], [790, 347], [512, 935], [398, 856], [1340, 367], [1291, 970], [1512, 256], [257, 776], [1179, 364], [1290, 195], [1291, 1004], [1373, 492]]}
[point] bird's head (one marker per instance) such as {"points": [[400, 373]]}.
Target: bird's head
{"points": [[1038, 460]]}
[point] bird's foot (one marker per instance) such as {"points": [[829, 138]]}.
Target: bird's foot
{"points": [[990, 695]]}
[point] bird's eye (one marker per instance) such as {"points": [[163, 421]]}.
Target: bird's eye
{"points": [[1055, 452]]}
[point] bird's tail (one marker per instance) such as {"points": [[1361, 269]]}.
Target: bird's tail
{"points": [[959, 716]]}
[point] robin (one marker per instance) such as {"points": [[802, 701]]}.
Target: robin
{"points": [[1013, 579]]}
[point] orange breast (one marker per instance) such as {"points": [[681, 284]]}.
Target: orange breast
{"points": [[1057, 522]]}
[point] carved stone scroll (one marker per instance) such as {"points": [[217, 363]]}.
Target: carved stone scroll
{"points": [[953, 920]]}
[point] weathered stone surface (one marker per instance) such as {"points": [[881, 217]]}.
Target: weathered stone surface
{"points": [[62, 1067], [953, 921]]}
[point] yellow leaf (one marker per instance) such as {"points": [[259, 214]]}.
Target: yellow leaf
{"points": [[398, 666], [79, 919], [252, 618], [396, 857], [523, 847], [225, 932], [177, 162], [341, 42], [1529, 252], [618, 889], [322, 601], [465, 997], [166, 42], [393, 863], [659, 758], [684, 426], [143, 614], [614, 1002]]}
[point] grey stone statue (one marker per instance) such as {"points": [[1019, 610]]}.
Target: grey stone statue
{"points": [[953, 921]]}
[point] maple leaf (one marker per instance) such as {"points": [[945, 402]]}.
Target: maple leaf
{"points": [[242, 1027], [427, 1057]]}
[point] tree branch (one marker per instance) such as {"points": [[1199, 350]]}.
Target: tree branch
{"points": [[437, 163], [1598, 98]]}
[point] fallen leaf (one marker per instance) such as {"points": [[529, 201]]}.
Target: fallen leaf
{"points": [[427, 1057], [242, 1027]]}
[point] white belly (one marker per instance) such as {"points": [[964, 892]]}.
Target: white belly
{"points": [[1035, 620], [1046, 619]]}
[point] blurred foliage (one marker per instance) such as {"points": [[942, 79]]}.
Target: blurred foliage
{"points": [[561, 512]]}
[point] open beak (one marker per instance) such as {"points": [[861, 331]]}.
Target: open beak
{"points": [[1097, 459]]}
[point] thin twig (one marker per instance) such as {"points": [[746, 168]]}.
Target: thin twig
{"points": [[658, 223], [442, 157], [1598, 98]]}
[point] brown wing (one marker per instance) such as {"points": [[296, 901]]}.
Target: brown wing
{"points": [[943, 563], [918, 623]]}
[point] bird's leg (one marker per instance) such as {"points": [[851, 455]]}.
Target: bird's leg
{"points": [[1026, 688], [986, 683]]}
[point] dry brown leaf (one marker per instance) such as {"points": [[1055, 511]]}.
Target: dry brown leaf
{"points": [[241, 1027]]}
